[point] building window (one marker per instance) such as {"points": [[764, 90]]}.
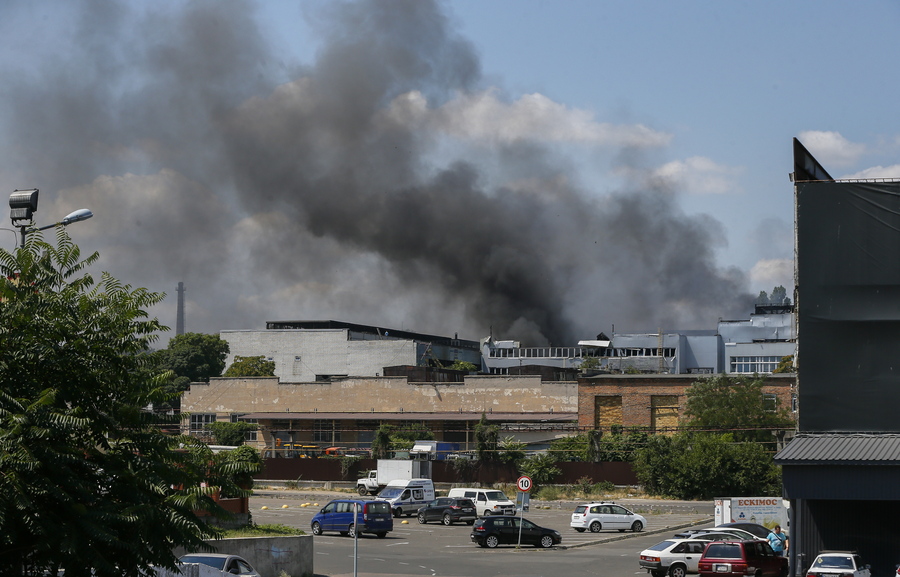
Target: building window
{"points": [[199, 422], [607, 411], [770, 402], [793, 402], [249, 436], [326, 431], [750, 365], [663, 412]]}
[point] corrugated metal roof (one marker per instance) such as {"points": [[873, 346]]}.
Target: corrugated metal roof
{"points": [[847, 448]]}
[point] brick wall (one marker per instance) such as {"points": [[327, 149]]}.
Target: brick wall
{"points": [[639, 393]]}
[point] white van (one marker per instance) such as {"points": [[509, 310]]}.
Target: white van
{"points": [[487, 501], [406, 496]]}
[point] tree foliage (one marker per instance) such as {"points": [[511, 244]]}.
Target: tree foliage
{"points": [[196, 356], [786, 365], [511, 451], [735, 404], [256, 366], [230, 434], [463, 366], [541, 467], [89, 481], [704, 466], [487, 437]]}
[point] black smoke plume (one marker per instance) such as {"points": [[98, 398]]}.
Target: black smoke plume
{"points": [[338, 189]]}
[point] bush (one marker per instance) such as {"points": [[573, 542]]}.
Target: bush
{"points": [[704, 466]]}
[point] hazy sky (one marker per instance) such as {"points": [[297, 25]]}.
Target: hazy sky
{"points": [[531, 169]]}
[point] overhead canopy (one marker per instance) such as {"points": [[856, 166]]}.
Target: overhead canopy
{"points": [[398, 416]]}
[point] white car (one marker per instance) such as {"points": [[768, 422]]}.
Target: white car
{"points": [[677, 557], [843, 563], [605, 516], [227, 564]]}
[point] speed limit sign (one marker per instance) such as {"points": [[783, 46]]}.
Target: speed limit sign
{"points": [[524, 483]]}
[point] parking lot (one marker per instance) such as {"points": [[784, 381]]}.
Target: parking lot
{"points": [[433, 549]]}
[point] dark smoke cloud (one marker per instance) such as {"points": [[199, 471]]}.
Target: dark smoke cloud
{"points": [[339, 189]]}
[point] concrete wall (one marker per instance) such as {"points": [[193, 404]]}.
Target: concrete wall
{"points": [[524, 393], [301, 355], [271, 555]]}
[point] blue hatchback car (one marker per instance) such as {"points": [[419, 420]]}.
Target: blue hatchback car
{"points": [[352, 516]]}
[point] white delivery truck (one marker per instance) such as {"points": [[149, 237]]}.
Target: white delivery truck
{"points": [[407, 495], [390, 470]]}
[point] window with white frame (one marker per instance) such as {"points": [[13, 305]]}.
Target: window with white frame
{"points": [[770, 402], [749, 365], [199, 422]]}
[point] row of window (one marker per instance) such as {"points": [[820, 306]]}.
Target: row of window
{"points": [[576, 352], [750, 365]]}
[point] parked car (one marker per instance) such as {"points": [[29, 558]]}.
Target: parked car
{"points": [[448, 510], [606, 515], [717, 534], [677, 557], [838, 563], [761, 531], [740, 558], [487, 501], [368, 517], [504, 530], [227, 564]]}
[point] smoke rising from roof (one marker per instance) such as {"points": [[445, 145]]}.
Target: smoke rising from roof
{"points": [[384, 183]]}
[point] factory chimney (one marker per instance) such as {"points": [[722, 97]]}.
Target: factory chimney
{"points": [[179, 320]]}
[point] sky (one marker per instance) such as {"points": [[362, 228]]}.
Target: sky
{"points": [[530, 170]]}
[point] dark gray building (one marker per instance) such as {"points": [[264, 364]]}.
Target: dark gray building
{"points": [[842, 470]]}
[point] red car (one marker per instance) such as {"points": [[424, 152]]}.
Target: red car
{"points": [[740, 558]]}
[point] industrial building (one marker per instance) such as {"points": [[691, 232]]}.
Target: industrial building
{"points": [[747, 346]]}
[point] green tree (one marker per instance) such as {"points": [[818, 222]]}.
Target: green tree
{"points": [[786, 365], [703, 466], [590, 363], [541, 467], [463, 366], [256, 366], [574, 448], [89, 481], [230, 434], [196, 356], [735, 404], [381, 442], [487, 437], [511, 451]]}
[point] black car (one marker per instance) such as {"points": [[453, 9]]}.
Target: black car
{"points": [[502, 530], [448, 510]]}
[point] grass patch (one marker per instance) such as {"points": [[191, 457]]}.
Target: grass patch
{"points": [[270, 530]]}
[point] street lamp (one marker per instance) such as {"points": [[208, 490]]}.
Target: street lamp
{"points": [[23, 205]]}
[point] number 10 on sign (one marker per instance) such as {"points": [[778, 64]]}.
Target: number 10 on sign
{"points": [[524, 483]]}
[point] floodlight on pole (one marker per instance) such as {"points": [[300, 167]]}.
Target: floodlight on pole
{"points": [[23, 205]]}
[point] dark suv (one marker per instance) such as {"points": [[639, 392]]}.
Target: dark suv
{"points": [[448, 510], [502, 530], [739, 558]]}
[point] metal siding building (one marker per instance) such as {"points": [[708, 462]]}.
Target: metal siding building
{"points": [[841, 473]]}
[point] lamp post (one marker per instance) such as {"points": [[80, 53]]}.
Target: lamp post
{"points": [[23, 205]]}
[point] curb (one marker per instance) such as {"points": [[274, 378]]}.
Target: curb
{"points": [[633, 535]]}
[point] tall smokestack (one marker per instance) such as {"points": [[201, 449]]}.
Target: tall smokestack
{"points": [[179, 320]]}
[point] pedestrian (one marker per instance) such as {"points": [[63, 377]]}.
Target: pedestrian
{"points": [[779, 541]]}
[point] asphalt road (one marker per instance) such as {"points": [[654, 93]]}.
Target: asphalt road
{"points": [[435, 550]]}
